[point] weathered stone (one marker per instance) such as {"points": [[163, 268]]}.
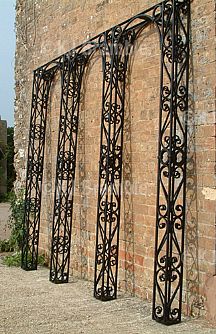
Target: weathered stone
{"points": [[3, 157]]}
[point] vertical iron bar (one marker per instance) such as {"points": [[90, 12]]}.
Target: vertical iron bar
{"points": [[71, 73], [172, 155], [110, 167], [31, 223]]}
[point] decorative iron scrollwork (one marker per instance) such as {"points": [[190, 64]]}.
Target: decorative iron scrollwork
{"points": [[31, 223], [114, 63], [170, 223], [171, 17], [72, 71]]}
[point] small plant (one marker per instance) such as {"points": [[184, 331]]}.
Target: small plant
{"points": [[15, 224], [15, 260], [5, 246], [14, 243], [16, 220]]}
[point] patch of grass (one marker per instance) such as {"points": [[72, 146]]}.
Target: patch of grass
{"points": [[6, 246], [17, 206], [14, 260], [41, 260], [15, 223], [14, 243]]}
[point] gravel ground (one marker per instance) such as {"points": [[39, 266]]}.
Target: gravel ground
{"points": [[4, 215], [29, 304]]}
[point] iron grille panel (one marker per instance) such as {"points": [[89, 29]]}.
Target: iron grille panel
{"points": [[114, 65], [41, 87], [172, 153], [171, 17], [71, 78]]}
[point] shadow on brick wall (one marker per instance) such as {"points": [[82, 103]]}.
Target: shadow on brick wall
{"points": [[194, 301]]}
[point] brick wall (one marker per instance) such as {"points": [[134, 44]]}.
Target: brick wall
{"points": [[45, 29]]}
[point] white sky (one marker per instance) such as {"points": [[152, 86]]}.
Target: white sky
{"points": [[7, 54]]}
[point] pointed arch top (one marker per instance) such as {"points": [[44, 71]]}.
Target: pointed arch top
{"points": [[115, 44]]}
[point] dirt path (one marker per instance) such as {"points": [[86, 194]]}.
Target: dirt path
{"points": [[30, 304], [4, 215]]}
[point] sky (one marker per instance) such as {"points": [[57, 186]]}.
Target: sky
{"points": [[7, 55]]}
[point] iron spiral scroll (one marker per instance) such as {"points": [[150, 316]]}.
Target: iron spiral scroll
{"points": [[171, 17]]}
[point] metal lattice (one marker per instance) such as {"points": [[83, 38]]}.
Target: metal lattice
{"points": [[72, 70], [41, 87], [170, 223], [171, 17], [115, 55]]}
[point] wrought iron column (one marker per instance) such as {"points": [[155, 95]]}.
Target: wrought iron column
{"points": [[115, 52], [172, 153], [72, 69], [41, 87]]}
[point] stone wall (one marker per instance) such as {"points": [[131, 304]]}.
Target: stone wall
{"points": [[3, 162], [46, 29]]}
